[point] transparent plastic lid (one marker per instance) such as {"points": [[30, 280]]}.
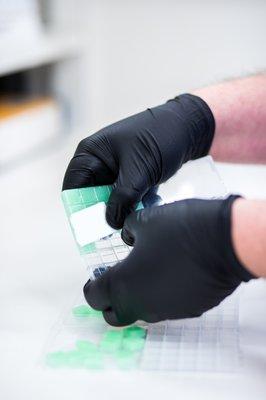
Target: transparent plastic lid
{"points": [[100, 246]]}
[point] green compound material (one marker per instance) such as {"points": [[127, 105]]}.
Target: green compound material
{"points": [[122, 346], [134, 332], [128, 339], [77, 199], [111, 341], [85, 355], [85, 311], [88, 248], [85, 346], [126, 359], [134, 338], [133, 344]]}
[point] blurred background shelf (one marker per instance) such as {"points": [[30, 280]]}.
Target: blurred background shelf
{"points": [[48, 48], [101, 61], [45, 61]]}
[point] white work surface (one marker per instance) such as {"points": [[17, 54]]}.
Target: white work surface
{"points": [[41, 271]]}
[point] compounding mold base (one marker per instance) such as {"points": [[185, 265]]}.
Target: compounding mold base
{"points": [[100, 246], [210, 343], [105, 252], [82, 339]]}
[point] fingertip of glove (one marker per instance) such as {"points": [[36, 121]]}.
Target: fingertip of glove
{"points": [[111, 217], [121, 203], [127, 237], [96, 294], [86, 292], [111, 318]]}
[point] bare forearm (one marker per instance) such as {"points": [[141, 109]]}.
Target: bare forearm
{"points": [[239, 108], [249, 234]]}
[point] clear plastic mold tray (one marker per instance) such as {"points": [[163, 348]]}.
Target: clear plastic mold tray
{"points": [[83, 340], [210, 343], [100, 246]]}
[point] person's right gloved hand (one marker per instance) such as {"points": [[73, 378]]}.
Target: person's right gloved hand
{"points": [[183, 263], [141, 151]]}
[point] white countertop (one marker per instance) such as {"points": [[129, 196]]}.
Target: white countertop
{"points": [[41, 271]]}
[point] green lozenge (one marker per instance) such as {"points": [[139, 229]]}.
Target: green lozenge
{"points": [[85, 346], [84, 311], [126, 359], [133, 344], [134, 332], [111, 341]]}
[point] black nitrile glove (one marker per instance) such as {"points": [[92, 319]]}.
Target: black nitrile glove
{"points": [[182, 264], [141, 151]]}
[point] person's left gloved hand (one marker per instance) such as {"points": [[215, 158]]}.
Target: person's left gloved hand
{"points": [[140, 152], [183, 263]]}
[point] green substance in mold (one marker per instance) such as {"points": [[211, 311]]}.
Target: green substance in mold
{"points": [[122, 346], [134, 332], [133, 344], [88, 248], [84, 311], [130, 340], [75, 200], [85, 346], [85, 355], [111, 341], [126, 359]]}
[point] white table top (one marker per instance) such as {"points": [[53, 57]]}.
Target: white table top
{"points": [[41, 270]]}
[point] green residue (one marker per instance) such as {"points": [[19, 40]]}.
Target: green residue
{"points": [[111, 341], [85, 346], [94, 362], [133, 344], [93, 195], [88, 248], [126, 359], [71, 197], [85, 311], [81, 311], [133, 338], [134, 332], [122, 346], [75, 358], [85, 355], [84, 197]]}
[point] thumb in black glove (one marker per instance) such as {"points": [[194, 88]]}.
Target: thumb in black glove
{"points": [[141, 151], [182, 264]]}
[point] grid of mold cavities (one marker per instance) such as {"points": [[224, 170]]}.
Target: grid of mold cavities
{"points": [[106, 252], [209, 343]]}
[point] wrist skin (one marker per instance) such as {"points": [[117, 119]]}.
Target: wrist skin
{"points": [[239, 110], [248, 228]]}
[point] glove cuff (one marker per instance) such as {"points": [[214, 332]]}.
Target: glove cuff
{"points": [[237, 268], [200, 123]]}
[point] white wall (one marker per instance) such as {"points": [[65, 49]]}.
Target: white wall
{"points": [[142, 52]]}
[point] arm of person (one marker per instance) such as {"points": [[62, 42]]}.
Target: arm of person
{"points": [[249, 234], [239, 109], [141, 151]]}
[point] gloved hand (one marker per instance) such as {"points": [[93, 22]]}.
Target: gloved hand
{"points": [[141, 151], [182, 264]]}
